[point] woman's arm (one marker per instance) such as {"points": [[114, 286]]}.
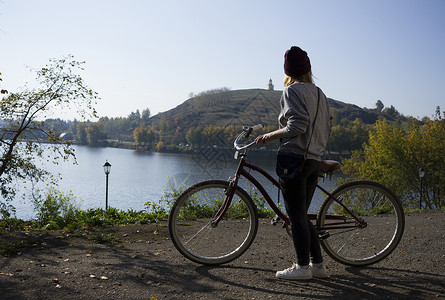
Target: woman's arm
{"points": [[264, 139]]}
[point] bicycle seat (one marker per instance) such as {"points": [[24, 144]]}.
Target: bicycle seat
{"points": [[328, 166]]}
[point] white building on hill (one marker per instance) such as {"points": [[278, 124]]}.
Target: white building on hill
{"points": [[270, 85]]}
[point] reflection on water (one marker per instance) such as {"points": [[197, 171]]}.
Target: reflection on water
{"points": [[139, 177]]}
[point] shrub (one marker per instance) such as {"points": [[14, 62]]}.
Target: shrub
{"points": [[55, 210], [160, 211]]}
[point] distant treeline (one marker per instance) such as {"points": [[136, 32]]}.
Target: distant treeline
{"points": [[140, 131]]}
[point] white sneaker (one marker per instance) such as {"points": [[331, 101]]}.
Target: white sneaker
{"points": [[295, 272], [319, 270]]}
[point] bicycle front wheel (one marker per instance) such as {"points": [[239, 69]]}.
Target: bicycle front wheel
{"points": [[193, 234], [361, 246]]}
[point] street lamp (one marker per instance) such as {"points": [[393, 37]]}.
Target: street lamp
{"points": [[107, 169], [421, 175]]}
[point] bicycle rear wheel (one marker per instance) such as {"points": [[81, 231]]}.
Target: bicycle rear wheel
{"points": [[378, 207], [190, 223]]}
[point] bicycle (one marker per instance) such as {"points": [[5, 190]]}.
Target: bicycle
{"points": [[214, 222]]}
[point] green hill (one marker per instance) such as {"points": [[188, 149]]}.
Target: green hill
{"points": [[252, 106]]}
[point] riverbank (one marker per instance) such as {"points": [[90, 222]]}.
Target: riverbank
{"points": [[140, 262], [215, 151]]}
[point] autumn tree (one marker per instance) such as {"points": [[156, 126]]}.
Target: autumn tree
{"points": [[140, 135], [23, 136], [231, 132], [213, 135], [144, 135], [359, 134], [394, 156], [194, 136]]}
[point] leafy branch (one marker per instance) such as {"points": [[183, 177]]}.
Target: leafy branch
{"points": [[23, 136]]}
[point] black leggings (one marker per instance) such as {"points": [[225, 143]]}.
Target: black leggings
{"points": [[297, 195]]}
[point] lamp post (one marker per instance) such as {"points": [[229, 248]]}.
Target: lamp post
{"points": [[107, 169], [421, 175]]}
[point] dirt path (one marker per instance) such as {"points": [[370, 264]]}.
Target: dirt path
{"points": [[141, 263]]}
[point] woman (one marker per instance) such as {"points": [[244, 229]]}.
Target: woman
{"points": [[304, 128]]}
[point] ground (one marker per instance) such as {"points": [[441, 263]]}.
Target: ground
{"points": [[140, 262]]}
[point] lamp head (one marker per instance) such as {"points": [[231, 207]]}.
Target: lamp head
{"points": [[422, 172], [107, 167]]}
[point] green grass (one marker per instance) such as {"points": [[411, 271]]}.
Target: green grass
{"points": [[59, 211]]}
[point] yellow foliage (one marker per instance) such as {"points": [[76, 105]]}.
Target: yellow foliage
{"points": [[394, 156], [159, 146]]}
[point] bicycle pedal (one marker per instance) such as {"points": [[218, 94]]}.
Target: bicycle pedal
{"points": [[275, 220], [323, 235]]}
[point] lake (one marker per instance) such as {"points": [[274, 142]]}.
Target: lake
{"points": [[139, 177]]}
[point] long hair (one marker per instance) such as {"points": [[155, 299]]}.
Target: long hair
{"points": [[308, 77]]}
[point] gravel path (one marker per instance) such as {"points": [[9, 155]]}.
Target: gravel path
{"points": [[140, 262]]}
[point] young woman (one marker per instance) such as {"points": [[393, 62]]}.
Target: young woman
{"points": [[304, 128]]}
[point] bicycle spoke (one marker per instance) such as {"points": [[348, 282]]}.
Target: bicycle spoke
{"points": [[197, 233], [350, 238], [341, 232]]}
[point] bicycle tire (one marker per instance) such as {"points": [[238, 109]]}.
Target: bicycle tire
{"points": [[381, 210], [190, 223]]}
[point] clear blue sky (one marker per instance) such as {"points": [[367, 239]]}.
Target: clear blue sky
{"points": [[153, 54]]}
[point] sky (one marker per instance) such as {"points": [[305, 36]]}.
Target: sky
{"points": [[153, 54]]}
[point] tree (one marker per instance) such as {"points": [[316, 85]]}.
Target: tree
{"points": [[336, 116], [194, 136], [141, 135], [340, 139], [437, 115], [213, 135], [359, 134], [379, 105], [73, 127], [134, 115], [81, 133], [177, 138], [145, 115], [160, 146], [393, 157], [348, 136], [166, 129], [94, 133], [231, 132], [391, 111], [23, 136]]}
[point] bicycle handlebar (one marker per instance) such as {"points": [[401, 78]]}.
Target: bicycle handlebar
{"points": [[247, 130]]}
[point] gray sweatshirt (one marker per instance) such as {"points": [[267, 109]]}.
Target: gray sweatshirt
{"points": [[298, 108]]}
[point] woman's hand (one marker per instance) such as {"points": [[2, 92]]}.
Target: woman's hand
{"points": [[263, 139]]}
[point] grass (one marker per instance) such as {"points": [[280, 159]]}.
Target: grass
{"points": [[59, 211]]}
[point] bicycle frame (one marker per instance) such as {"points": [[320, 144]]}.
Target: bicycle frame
{"points": [[241, 171]]}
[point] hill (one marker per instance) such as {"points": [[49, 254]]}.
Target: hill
{"points": [[252, 106]]}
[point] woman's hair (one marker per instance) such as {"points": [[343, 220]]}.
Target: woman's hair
{"points": [[288, 80]]}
